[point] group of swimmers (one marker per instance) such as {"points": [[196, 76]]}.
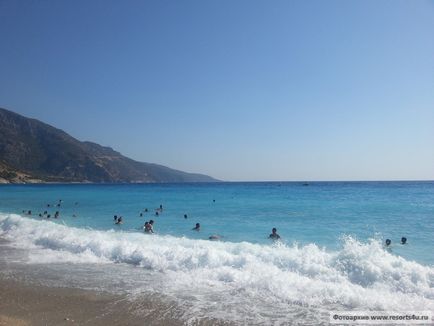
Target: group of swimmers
{"points": [[149, 226], [403, 241], [46, 214]]}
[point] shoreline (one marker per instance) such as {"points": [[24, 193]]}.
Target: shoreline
{"points": [[24, 304]]}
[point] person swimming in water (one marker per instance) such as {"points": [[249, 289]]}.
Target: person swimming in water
{"points": [[197, 227], [151, 226], [274, 234], [214, 237], [403, 240], [388, 242], [119, 220], [147, 227], [185, 216]]}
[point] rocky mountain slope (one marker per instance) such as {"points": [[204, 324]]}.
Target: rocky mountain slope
{"points": [[32, 151]]}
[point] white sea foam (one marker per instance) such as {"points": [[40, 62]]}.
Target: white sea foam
{"points": [[239, 276]]}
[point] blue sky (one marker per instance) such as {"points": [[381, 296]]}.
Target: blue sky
{"points": [[240, 90]]}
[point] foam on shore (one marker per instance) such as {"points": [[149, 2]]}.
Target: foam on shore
{"points": [[359, 276]]}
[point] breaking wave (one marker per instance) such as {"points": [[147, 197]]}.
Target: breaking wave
{"points": [[360, 276]]}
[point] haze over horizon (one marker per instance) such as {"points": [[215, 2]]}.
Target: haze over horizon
{"points": [[241, 91]]}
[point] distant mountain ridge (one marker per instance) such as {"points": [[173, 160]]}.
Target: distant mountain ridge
{"points": [[33, 151]]}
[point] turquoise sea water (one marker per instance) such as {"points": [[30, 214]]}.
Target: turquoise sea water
{"points": [[331, 252], [319, 213]]}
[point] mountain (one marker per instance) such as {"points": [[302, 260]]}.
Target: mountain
{"points": [[32, 151]]}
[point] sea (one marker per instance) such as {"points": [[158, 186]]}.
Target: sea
{"points": [[331, 255]]}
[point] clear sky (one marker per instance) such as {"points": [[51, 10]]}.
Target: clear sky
{"points": [[240, 90]]}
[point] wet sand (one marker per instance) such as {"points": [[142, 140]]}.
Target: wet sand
{"points": [[22, 304]]}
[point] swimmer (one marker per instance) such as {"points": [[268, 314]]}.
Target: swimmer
{"points": [[197, 227], [56, 215], [119, 221], [141, 214], [151, 224], [29, 212], [115, 217], [388, 242], [214, 237], [274, 234], [40, 215], [146, 210], [147, 228], [185, 215], [156, 213], [161, 207], [403, 240]]}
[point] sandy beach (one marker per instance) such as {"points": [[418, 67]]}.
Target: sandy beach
{"points": [[24, 300], [23, 304]]}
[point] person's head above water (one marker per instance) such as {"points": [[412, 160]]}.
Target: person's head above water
{"points": [[388, 242], [403, 240], [151, 222], [274, 234]]}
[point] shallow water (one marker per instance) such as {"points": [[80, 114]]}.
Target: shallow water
{"points": [[331, 256]]}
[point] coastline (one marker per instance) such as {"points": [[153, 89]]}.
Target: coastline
{"points": [[24, 304], [178, 277], [27, 300]]}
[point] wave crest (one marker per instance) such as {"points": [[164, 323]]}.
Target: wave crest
{"points": [[358, 276]]}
